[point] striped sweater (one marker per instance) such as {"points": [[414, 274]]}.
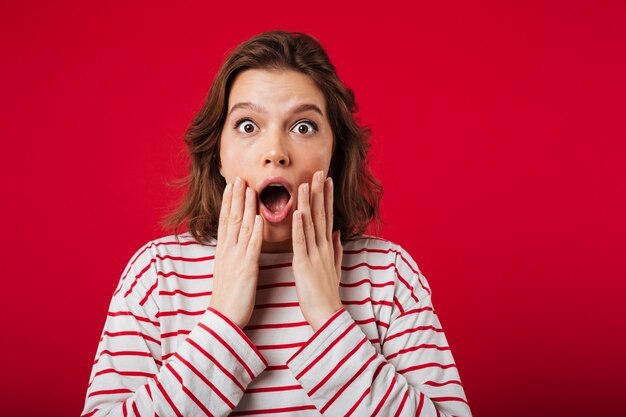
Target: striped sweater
{"points": [[164, 352]]}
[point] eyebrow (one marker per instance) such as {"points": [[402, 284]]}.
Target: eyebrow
{"points": [[300, 109]]}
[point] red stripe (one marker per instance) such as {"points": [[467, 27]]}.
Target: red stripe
{"points": [[131, 333], [242, 334], [148, 388], [443, 399], [186, 294], [363, 281], [440, 384], [145, 298], [277, 368], [143, 271], [347, 384], [415, 271], [382, 400], [179, 311], [123, 353], [401, 406], [416, 310], [281, 346], [358, 402], [273, 389], [206, 381], [413, 348], [407, 285], [272, 410], [277, 305], [91, 413], [367, 300], [110, 391], [336, 368], [420, 405], [317, 333], [135, 410], [128, 313], [426, 365], [373, 267], [124, 409], [397, 303], [167, 398], [372, 320], [183, 276], [176, 333], [229, 348], [187, 391], [277, 325], [366, 249], [413, 330], [124, 373], [212, 359]]}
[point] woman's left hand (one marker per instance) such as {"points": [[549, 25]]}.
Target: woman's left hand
{"points": [[317, 252]]}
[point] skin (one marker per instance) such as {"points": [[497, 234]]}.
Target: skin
{"points": [[276, 140]]}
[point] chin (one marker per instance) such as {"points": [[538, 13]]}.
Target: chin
{"points": [[277, 232]]}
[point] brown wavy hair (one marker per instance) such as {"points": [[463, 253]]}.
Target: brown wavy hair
{"points": [[357, 191]]}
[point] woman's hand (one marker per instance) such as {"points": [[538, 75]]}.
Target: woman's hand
{"points": [[317, 252], [239, 239]]}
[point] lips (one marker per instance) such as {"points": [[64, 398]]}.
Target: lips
{"points": [[275, 199]]}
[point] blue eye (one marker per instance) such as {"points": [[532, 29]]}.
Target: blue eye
{"points": [[305, 127], [247, 125]]}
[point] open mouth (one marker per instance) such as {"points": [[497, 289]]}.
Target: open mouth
{"points": [[275, 202]]}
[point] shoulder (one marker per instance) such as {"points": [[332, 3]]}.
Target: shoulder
{"points": [[158, 256], [379, 254], [183, 245], [379, 248]]}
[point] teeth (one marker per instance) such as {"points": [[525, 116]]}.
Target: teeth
{"points": [[275, 185]]}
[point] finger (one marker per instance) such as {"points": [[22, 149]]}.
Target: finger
{"points": [[256, 240], [297, 236], [236, 212], [328, 207], [222, 227], [338, 252], [248, 217], [305, 209], [317, 207]]}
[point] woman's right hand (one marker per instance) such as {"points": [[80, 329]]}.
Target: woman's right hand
{"points": [[239, 239]]}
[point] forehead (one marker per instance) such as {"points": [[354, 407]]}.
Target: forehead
{"points": [[275, 90]]}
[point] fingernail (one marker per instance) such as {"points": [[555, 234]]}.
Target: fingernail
{"points": [[238, 183], [248, 192], [257, 219], [330, 182], [319, 175], [305, 188]]}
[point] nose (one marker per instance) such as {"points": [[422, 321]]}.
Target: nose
{"points": [[276, 152]]}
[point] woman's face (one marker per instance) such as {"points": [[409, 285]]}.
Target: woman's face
{"points": [[276, 136]]}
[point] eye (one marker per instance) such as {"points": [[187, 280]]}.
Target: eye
{"points": [[245, 126], [305, 127]]}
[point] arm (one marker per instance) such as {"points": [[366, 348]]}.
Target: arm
{"points": [[415, 375], [206, 376]]}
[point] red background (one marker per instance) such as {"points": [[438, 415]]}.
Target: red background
{"points": [[498, 133]]}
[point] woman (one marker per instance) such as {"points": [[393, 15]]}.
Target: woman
{"points": [[274, 301]]}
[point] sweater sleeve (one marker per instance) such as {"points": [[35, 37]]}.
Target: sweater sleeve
{"points": [[207, 375], [414, 375]]}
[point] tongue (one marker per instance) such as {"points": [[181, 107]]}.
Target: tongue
{"points": [[276, 198]]}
